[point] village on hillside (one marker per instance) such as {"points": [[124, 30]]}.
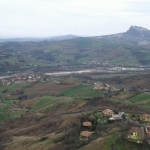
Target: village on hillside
{"points": [[19, 79], [138, 130]]}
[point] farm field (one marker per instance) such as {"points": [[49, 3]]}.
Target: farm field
{"points": [[48, 101], [47, 88], [54, 109], [124, 96], [140, 97], [10, 113], [8, 88], [82, 91]]}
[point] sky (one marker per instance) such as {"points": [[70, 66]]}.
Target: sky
{"points": [[46, 18]]}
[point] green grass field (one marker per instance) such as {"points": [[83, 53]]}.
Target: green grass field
{"points": [[82, 91], [9, 102], [46, 101], [140, 97], [42, 102], [9, 88], [10, 113]]}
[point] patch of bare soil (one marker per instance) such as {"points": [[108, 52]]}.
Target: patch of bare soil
{"points": [[47, 88]]}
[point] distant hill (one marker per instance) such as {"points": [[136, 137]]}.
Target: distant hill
{"points": [[130, 48], [54, 38], [135, 35]]}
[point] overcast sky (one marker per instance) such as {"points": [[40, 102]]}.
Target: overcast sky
{"points": [[45, 18]]}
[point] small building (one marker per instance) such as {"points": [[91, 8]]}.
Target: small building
{"points": [[108, 112], [121, 114], [106, 85], [147, 90], [98, 87], [145, 118], [115, 117], [135, 135], [85, 135], [87, 124], [118, 116], [29, 77], [114, 90]]}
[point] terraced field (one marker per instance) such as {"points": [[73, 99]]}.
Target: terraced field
{"points": [[140, 97], [82, 91]]}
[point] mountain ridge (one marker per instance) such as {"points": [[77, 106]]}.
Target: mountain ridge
{"points": [[132, 31], [121, 49]]}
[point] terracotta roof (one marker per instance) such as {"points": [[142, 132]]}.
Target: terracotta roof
{"points": [[135, 129], [86, 134], [144, 116], [87, 124], [108, 112]]}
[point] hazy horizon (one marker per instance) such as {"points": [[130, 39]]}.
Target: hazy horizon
{"points": [[48, 18], [36, 36]]}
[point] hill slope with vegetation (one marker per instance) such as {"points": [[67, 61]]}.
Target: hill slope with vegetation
{"points": [[49, 114], [131, 48]]}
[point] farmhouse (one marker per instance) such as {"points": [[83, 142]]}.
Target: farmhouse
{"points": [[118, 116], [145, 118], [87, 124], [85, 135], [108, 112], [135, 134], [115, 117]]}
